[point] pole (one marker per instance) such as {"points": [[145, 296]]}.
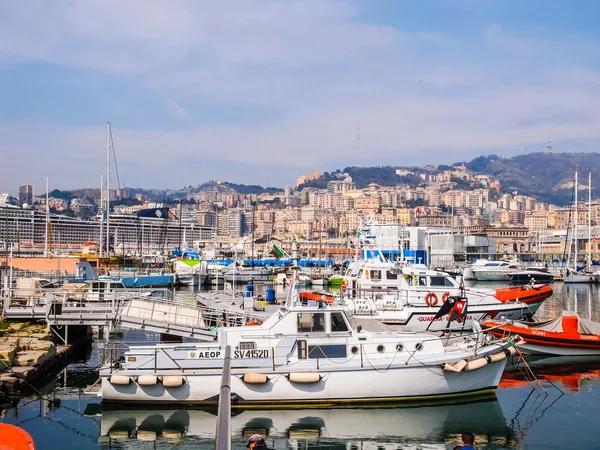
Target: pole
{"points": [[589, 263], [223, 431], [180, 214], [47, 221], [575, 227], [108, 190], [101, 215]]}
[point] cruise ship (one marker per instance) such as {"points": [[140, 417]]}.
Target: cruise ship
{"points": [[148, 231]]}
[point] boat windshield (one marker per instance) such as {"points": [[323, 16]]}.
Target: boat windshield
{"points": [[440, 281]]}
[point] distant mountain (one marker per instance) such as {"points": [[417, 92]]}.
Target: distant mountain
{"points": [[546, 177]]}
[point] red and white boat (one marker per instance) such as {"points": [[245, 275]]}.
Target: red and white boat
{"points": [[411, 294], [566, 335]]}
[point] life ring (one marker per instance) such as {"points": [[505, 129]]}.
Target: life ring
{"points": [[431, 299], [344, 285], [445, 296]]}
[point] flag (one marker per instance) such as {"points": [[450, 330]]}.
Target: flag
{"points": [[276, 251], [455, 307]]}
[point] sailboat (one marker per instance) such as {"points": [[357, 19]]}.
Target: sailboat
{"points": [[576, 276]]}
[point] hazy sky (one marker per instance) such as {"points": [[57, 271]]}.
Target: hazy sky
{"points": [[249, 91]]}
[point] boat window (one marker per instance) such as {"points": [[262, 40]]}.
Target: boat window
{"points": [[116, 286], [422, 281], [337, 322], [375, 274], [327, 351], [441, 281], [360, 272], [311, 322], [391, 275]]}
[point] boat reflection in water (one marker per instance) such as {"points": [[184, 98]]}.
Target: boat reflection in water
{"points": [[433, 426], [570, 373]]}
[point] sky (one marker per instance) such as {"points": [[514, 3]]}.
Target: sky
{"points": [[261, 92]]}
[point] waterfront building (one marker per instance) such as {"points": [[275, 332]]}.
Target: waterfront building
{"points": [[25, 195]]}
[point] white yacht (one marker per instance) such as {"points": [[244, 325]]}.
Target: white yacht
{"points": [[307, 356], [485, 270]]}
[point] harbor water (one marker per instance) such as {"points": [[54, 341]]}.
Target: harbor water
{"points": [[555, 410]]}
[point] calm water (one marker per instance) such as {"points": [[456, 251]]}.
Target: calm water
{"points": [[523, 415]]}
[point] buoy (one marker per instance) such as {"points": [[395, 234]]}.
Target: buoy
{"points": [[445, 296], [307, 377], [147, 380], [495, 357], [173, 381], [255, 378], [475, 364], [119, 380], [15, 438], [510, 351], [458, 366], [431, 299]]}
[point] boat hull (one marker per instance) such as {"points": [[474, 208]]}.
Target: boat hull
{"points": [[420, 318], [547, 342], [380, 385]]}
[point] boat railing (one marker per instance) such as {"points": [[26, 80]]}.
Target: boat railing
{"points": [[223, 431]]}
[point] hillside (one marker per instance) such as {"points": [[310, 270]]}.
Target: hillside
{"points": [[548, 178]]}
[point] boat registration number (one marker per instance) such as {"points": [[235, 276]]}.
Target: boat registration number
{"points": [[251, 354], [237, 354]]}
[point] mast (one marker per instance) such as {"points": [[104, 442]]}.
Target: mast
{"points": [[101, 214], [47, 220], [108, 188], [180, 213], [575, 227], [589, 255]]}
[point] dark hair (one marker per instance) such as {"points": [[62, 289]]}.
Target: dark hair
{"points": [[468, 438]]}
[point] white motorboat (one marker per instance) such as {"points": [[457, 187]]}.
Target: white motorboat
{"points": [[309, 356], [485, 270], [248, 274]]}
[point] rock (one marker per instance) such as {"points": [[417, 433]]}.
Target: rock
{"points": [[29, 358], [35, 344], [11, 383], [7, 355]]}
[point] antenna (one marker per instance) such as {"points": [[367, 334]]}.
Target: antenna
{"points": [[549, 144]]}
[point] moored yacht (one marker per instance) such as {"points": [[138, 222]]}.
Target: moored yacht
{"points": [[310, 356]]}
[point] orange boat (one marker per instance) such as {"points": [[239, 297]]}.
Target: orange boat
{"points": [[316, 297], [529, 293], [567, 335], [15, 438]]}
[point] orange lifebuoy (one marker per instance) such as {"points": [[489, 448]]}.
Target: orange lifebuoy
{"points": [[431, 299], [445, 296], [344, 285]]}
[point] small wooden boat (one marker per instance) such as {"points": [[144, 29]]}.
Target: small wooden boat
{"points": [[15, 438], [528, 293], [567, 335], [316, 297]]}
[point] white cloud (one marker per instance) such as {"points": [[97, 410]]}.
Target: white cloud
{"points": [[315, 66]]}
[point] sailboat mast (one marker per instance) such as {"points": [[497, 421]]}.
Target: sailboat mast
{"points": [[575, 227], [589, 261], [47, 220], [108, 188], [101, 215]]}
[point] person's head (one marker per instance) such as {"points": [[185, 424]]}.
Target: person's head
{"points": [[256, 440], [468, 438]]}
